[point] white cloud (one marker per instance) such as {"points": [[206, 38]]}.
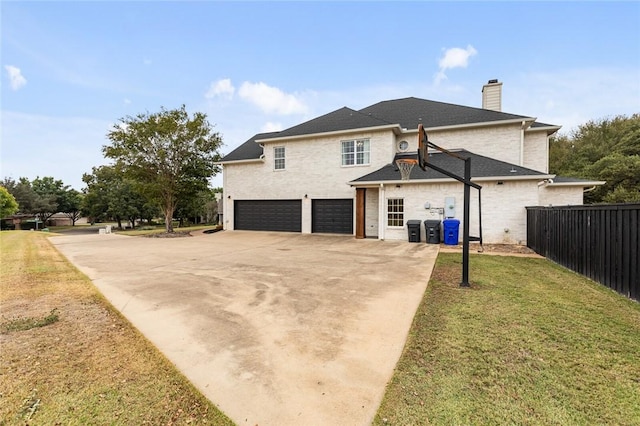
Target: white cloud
{"points": [[455, 57], [222, 88], [16, 79], [127, 101], [271, 99], [271, 127]]}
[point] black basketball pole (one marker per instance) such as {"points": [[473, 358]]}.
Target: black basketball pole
{"points": [[423, 144], [465, 232]]}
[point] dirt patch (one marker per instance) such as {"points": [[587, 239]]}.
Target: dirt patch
{"points": [[176, 234], [505, 249]]}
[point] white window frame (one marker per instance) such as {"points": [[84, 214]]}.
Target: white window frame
{"points": [[395, 212], [279, 158], [355, 152]]}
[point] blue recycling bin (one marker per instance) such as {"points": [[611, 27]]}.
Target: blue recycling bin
{"points": [[451, 229]]}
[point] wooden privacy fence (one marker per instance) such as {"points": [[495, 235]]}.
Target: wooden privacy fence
{"points": [[598, 241]]}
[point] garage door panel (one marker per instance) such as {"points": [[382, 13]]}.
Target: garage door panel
{"points": [[268, 215], [334, 216]]}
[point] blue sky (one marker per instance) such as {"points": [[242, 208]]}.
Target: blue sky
{"points": [[70, 70]]}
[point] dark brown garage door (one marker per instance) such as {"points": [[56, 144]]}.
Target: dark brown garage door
{"points": [[332, 216], [268, 215]]}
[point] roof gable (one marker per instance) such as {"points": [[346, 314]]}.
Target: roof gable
{"points": [[410, 112]]}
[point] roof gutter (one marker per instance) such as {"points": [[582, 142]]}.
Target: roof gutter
{"points": [[522, 127], [583, 184], [248, 160], [549, 129], [591, 183], [519, 121], [447, 180], [395, 127]]}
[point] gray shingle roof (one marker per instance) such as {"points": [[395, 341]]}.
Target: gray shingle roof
{"points": [[481, 166], [341, 119], [250, 149], [409, 112]]}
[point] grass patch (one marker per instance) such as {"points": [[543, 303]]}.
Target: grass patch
{"points": [[90, 366], [529, 343], [22, 324]]}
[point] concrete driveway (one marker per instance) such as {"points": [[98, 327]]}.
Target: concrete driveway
{"points": [[274, 328]]}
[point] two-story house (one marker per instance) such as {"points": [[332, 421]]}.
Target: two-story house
{"points": [[337, 174]]}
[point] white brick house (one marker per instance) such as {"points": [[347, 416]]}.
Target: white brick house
{"points": [[336, 173]]}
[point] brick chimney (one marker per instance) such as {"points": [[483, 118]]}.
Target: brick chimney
{"points": [[492, 95]]}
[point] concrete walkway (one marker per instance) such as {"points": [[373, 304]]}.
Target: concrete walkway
{"points": [[274, 328]]}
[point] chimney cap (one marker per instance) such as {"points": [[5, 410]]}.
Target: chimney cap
{"points": [[492, 81]]}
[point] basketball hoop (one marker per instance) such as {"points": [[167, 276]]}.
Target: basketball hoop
{"points": [[405, 165]]}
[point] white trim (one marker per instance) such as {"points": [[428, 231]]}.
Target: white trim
{"points": [[332, 133], [529, 120], [382, 209], [386, 215], [549, 129], [248, 160], [585, 183], [355, 152], [283, 158], [447, 180]]}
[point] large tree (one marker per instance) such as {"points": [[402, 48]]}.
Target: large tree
{"points": [[70, 203], [8, 203], [606, 149], [23, 193], [169, 154], [52, 194], [109, 193]]}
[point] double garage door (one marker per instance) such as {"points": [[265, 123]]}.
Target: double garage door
{"points": [[328, 216], [268, 215]]}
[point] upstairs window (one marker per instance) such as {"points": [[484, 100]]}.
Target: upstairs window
{"points": [[278, 155], [355, 152], [395, 212]]}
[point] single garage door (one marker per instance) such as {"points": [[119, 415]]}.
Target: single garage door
{"points": [[268, 215], [332, 216]]}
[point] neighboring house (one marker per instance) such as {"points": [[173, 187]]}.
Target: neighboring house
{"points": [[336, 173], [28, 221]]}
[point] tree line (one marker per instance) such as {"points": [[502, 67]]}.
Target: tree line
{"points": [[607, 150], [161, 166], [42, 197]]}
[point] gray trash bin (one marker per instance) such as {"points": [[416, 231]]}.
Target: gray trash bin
{"points": [[432, 231], [413, 227]]}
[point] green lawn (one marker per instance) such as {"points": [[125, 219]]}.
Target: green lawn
{"points": [[529, 343]]}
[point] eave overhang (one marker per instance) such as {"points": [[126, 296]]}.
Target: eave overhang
{"points": [[394, 127], [518, 121], [447, 180], [244, 161]]}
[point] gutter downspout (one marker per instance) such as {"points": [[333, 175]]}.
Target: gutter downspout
{"points": [[381, 215], [522, 143]]}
